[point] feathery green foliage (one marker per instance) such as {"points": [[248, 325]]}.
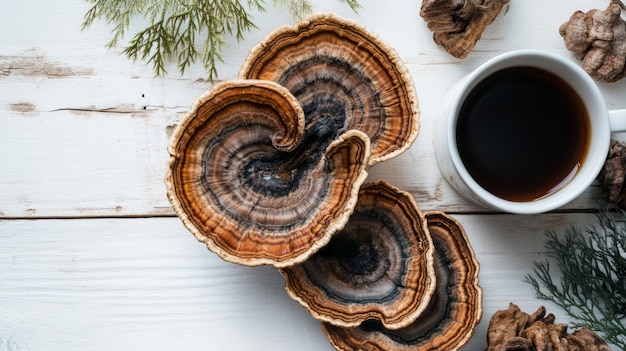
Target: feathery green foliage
{"points": [[592, 267], [184, 30]]}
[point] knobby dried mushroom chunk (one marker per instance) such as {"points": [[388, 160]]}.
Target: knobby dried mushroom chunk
{"points": [[452, 313], [247, 180], [613, 174], [380, 265], [598, 38], [514, 330], [458, 24], [344, 78]]}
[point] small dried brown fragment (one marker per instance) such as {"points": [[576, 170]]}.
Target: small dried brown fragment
{"points": [[598, 38], [518, 344], [584, 339], [514, 330], [613, 174], [542, 334], [505, 325], [458, 24]]}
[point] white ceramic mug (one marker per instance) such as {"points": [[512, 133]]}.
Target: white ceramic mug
{"points": [[602, 123]]}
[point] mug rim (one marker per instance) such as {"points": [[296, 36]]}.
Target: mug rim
{"points": [[599, 141]]}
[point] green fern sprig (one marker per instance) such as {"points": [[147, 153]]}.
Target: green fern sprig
{"points": [[177, 26], [592, 268]]}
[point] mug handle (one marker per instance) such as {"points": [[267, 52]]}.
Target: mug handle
{"points": [[617, 120]]}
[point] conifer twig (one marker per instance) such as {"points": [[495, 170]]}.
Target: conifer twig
{"points": [[592, 268], [176, 27]]}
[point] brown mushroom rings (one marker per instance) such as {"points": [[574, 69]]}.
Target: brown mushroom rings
{"points": [[246, 181], [452, 314], [344, 78], [380, 265]]}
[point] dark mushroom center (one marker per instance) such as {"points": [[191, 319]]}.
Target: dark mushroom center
{"points": [[280, 173], [437, 312], [354, 252], [360, 262], [330, 87]]}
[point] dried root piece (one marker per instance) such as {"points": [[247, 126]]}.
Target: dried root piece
{"points": [[458, 24], [613, 174], [584, 339], [598, 38], [514, 330]]}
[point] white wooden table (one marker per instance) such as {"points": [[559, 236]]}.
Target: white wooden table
{"points": [[92, 257]]}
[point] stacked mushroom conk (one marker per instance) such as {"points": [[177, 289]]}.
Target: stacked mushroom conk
{"points": [[270, 168]]}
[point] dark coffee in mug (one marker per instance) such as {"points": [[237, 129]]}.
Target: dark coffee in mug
{"points": [[522, 133]]}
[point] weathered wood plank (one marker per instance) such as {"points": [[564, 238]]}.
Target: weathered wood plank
{"points": [[84, 131], [124, 284]]}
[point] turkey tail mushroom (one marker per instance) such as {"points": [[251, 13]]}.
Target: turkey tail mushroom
{"points": [[380, 265], [340, 71], [247, 180], [452, 313]]}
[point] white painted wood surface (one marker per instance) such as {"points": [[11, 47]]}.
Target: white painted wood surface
{"points": [[92, 256]]}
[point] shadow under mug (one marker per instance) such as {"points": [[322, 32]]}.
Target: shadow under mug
{"points": [[601, 123]]}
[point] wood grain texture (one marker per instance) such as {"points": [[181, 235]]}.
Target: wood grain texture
{"points": [[92, 256], [146, 283], [88, 129]]}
